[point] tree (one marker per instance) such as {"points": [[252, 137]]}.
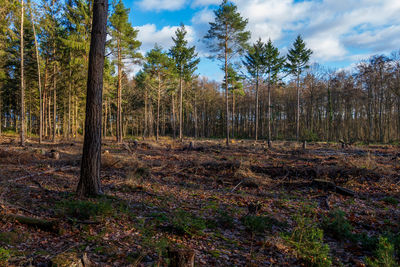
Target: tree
{"points": [[186, 64], [235, 87], [159, 66], [253, 62], [38, 73], [124, 46], [273, 65], [298, 58], [89, 182], [75, 46], [22, 129], [225, 38]]}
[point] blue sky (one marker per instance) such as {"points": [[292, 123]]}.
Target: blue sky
{"points": [[340, 32]]}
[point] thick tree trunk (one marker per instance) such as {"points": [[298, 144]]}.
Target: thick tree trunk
{"points": [[22, 128], [89, 183]]}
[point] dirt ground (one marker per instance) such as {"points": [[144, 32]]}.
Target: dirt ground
{"points": [[166, 196]]}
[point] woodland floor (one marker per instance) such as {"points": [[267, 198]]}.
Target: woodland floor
{"points": [[232, 206]]}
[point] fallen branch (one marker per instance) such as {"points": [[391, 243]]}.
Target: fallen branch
{"points": [[40, 173], [43, 224]]}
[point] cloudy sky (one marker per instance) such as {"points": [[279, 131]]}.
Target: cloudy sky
{"points": [[340, 32]]}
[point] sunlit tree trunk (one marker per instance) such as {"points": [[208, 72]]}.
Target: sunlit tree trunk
{"points": [[22, 120], [89, 182]]}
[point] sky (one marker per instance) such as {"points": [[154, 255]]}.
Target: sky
{"points": [[341, 33]]}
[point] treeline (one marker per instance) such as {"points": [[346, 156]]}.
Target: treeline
{"points": [[44, 49]]}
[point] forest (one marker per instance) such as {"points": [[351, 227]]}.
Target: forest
{"points": [[283, 162]]}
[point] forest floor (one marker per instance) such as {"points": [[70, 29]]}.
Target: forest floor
{"points": [[243, 205]]}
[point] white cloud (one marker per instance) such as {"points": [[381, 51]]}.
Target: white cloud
{"points": [[197, 3], [149, 36], [330, 27], [159, 5], [336, 30]]}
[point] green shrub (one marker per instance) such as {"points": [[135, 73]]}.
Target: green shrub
{"points": [[391, 200], [10, 238], [367, 242], [84, 210], [187, 223], [259, 224], [337, 225], [384, 255], [225, 219], [5, 255], [310, 136], [307, 241]]}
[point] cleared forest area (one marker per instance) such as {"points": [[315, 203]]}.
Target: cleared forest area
{"points": [[117, 153], [239, 205]]}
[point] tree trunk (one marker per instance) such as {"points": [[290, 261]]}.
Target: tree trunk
{"points": [[22, 129], [195, 117], [180, 105], [39, 80], [105, 118], [158, 106], [54, 100], [256, 131], [269, 110], [298, 108], [119, 96], [89, 182], [226, 87], [173, 116]]}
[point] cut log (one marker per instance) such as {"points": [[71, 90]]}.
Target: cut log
{"points": [[324, 184], [43, 224], [344, 191], [330, 186]]}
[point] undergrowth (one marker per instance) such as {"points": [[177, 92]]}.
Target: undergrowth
{"points": [[85, 210], [306, 239]]}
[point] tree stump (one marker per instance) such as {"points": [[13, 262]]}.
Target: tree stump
{"points": [[181, 257], [54, 154], [304, 144]]}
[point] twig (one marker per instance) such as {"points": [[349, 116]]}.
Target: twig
{"points": [[236, 186]]}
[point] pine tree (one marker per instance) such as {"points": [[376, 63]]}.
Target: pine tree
{"points": [[124, 46], [298, 58], [235, 87], [186, 62], [225, 38], [254, 63], [273, 65], [159, 66]]}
